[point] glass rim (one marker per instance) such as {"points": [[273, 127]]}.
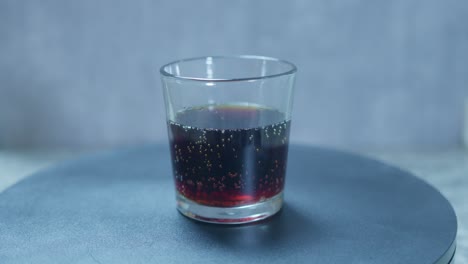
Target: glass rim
{"points": [[292, 68]]}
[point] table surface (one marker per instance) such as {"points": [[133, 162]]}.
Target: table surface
{"points": [[288, 210], [446, 170]]}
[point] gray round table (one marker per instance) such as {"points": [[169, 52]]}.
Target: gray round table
{"points": [[119, 207]]}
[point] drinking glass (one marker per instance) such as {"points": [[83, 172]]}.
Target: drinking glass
{"points": [[228, 120]]}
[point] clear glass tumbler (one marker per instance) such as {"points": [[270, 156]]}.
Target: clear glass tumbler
{"points": [[228, 122]]}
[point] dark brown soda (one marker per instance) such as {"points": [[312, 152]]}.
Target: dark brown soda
{"points": [[228, 156]]}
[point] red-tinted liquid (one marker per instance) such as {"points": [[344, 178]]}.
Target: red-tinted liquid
{"points": [[229, 155]]}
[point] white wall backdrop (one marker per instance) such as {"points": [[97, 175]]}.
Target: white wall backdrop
{"points": [[371, 73]]}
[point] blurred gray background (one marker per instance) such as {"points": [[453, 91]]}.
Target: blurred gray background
{"points": [[372, 74]]}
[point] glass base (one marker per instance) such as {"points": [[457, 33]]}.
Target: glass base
{"points": [[230, 215]]}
